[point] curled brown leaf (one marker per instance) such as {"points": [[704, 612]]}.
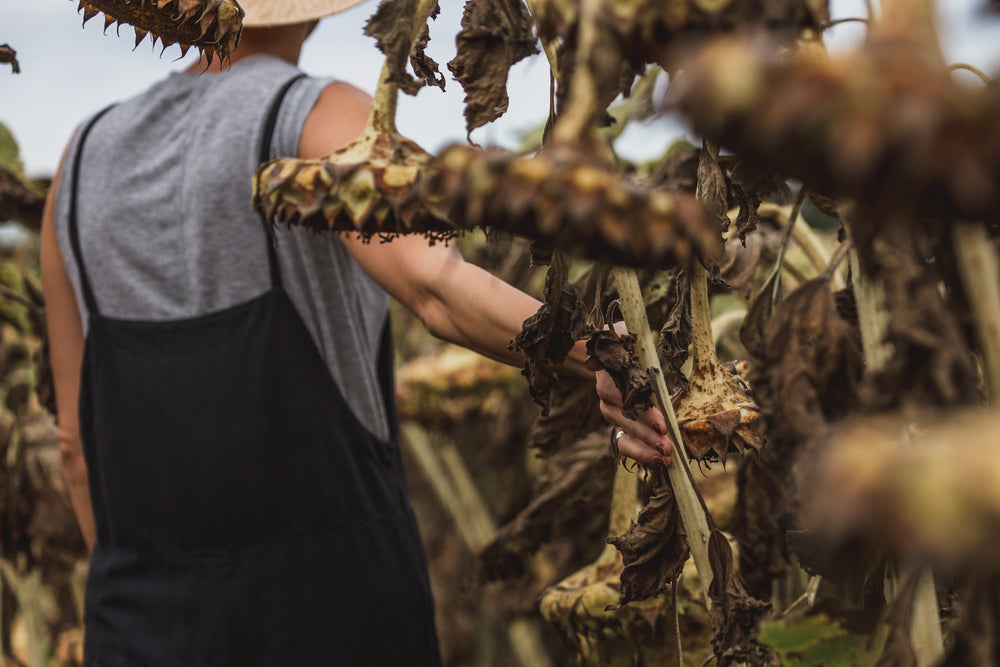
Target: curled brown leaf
{"points": [[495, 34]]}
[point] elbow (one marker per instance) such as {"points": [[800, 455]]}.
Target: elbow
{"points": [[434, 317]]}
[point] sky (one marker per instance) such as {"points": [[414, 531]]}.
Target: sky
{"points": [[69, 71]]}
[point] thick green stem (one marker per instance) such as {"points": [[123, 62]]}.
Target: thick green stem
{"points": [[705, 361], [576, 120], [693, 517], [980, 271], [872, 318], [382, 118]]}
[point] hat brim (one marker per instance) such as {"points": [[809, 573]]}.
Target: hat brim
{"points": [[268, 13]]}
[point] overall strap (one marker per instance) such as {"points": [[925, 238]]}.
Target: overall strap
{"points": [[265, 156], [74, 234]]}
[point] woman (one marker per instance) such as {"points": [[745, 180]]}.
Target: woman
{"points": [[225, 404]]}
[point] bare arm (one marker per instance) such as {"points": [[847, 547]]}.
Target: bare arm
{"points": [[456, 300], [65, 331]]}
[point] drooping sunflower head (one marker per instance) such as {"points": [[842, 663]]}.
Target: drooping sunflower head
{"points": [[211, 26]]}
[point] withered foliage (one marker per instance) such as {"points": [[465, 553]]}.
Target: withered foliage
{"points": [[804, 370], [881, 125], [573, 412], [18, 202], [576, 481], [675, 335], [617, 355], [931, 363], [547, 337], [975, 633], [495, 34], [211, 26], [569, 201], [9, 56], [735, 613], [654, 549], [392, 26]]}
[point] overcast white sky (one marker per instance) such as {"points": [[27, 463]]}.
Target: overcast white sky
{"points": [[68, 72]]}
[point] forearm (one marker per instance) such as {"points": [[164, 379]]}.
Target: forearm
{"points": [[475, 309], [74, 469], [457, 301]]}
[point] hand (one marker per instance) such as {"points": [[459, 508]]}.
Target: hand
{"points": [[645, 439]]}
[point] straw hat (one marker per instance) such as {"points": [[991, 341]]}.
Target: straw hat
{"points": [[262, 13]]}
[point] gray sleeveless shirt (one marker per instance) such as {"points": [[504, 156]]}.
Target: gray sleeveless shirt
{"points": [[167, 229]]}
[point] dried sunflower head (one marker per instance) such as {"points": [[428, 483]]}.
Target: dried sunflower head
{"points": [[717, 414], [570, 201], [885, 125], [212, 26], [649, 31], [924, 486], [372, 186], [570, 195]]}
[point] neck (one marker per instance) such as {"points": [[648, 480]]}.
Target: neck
{"points": [[284, 42]]}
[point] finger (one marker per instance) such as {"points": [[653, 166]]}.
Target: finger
{"points": [[607, 391], [638, 450], [655, 420], [637, 430]]}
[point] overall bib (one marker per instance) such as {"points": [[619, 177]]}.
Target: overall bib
{"points": [[245, 516]]}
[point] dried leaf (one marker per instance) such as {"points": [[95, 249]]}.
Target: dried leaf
{"points": [[573, 412], [392, 27], [712, 189], [676, 335], [18, 202], [577, 480], [617, 355], [735, 613], [9, 56], [653, 550], [931, 363], [548, 336], [804, 372], [749, 187], [975, 633], [679, 171], [495, 34]]}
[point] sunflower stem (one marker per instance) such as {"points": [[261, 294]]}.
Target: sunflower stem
{"points": [[382, 118], [925, 635], [692, 512], [980, 272]]}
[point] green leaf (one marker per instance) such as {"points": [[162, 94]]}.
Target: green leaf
{"points": [[822, 641]]}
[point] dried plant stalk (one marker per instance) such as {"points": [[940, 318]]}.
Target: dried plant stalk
{"points": [[693, 517]]}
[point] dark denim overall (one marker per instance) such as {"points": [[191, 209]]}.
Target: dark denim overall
{"points": [[245, 517]]}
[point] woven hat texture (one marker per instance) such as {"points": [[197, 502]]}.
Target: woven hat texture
{"points": [[262, 13]]}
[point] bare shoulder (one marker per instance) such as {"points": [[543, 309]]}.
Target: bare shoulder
{"points": [[337, 118]]}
